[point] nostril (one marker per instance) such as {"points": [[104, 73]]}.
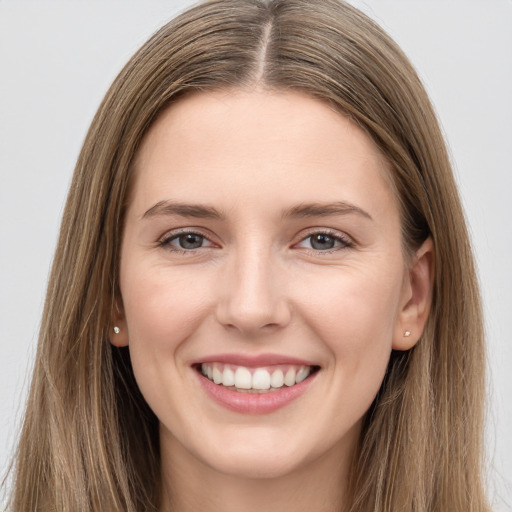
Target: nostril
{"points": [[253, 316]]}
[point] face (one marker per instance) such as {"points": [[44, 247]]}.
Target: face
{"points": [[262, 278]]}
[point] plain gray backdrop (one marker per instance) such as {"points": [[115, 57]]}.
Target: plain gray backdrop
{"points": [[57, 59]]}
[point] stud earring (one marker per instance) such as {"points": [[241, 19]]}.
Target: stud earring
{"points": [[116, 329], [407, 334]]}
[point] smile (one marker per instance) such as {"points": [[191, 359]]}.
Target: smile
{"points": [[260, 385], [256, 380]]}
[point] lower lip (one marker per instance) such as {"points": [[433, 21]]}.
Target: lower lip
{"points": [[254, 403]]}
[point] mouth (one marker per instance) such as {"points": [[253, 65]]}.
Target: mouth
{"points": [[255, 384], [255, 380]]}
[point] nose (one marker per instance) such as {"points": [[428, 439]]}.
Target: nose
{"points": [[252, 298]]}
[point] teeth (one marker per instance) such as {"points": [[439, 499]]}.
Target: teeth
{"points": [[243, 379], [217, 375], [289, 378], [277, 379], [301, 374], [260, 379], [228, 377]]}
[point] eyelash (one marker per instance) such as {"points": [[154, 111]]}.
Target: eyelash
{"points": [[165, 242], [343, 241]]}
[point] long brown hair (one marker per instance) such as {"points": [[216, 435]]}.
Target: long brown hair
{"points": [[89, 440]]}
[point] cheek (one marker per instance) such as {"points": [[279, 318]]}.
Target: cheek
{"points": [[163, 309], [160, 305], [354, 317], [353, 308]]}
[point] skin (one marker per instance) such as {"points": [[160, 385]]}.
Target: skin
{"points": [[258, 285]]}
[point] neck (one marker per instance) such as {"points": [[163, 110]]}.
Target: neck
{"points": [[190, 485]]}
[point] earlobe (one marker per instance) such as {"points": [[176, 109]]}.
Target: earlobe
{"points": [[416, 298], [117, 331]]}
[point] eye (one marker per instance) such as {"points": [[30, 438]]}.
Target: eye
{"points": [[185, 241], [324, 241]]}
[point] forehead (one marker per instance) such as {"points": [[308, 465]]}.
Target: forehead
{"points": [[258, 144]]}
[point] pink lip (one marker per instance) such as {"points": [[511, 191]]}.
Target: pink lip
{"points": [[254, 361], [254, 403]]}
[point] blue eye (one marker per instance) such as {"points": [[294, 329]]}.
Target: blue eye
{"points": [[324, 242], [186, 241], [190, 241]]}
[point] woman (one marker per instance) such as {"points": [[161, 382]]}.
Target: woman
{"points": [[264, 225]]}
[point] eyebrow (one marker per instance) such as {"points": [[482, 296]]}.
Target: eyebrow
{"points": [[198, 211], [303, 210]]}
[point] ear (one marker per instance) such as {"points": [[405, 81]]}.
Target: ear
{"points": [[416, 298], [118, 331]]}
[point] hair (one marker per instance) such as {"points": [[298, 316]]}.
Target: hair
{"points": [[89, 440]]}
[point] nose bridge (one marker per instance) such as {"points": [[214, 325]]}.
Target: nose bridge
{"points": [[253, 299]]}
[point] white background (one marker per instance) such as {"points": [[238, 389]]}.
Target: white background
{"points": [[57, 59]]}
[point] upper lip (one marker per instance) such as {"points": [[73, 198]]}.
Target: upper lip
{"points": [[254, 361]]}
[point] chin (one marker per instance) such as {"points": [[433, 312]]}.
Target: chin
{"points": [[253, 465], [265, 453]]}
